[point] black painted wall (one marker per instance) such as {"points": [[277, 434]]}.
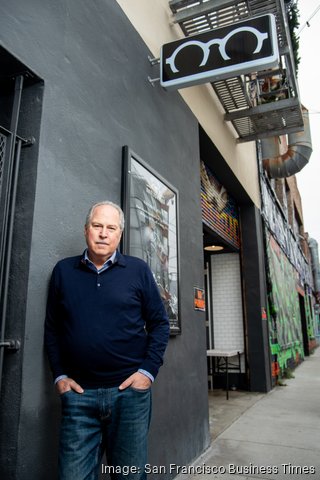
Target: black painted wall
{"points": [[255, 299], [96, 98]]}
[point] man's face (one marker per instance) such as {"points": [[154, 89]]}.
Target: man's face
{"points": [[103, 233]]}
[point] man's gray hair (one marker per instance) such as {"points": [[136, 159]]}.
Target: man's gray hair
{"points": [[111, 204]]}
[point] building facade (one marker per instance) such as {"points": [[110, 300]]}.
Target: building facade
{"points": [[291, 292]]}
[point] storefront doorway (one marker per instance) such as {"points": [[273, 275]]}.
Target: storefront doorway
{"points": [[222, 272]]}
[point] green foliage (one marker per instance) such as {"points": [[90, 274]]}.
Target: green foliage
{"points": [[293, 21], [287, 373]]}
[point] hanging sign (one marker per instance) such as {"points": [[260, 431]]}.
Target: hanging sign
{"points": [[199, 300], [225, 52]]}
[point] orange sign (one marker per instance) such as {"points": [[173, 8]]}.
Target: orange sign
{"points": [[199, 299]]}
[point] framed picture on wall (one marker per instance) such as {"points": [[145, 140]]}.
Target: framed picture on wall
{"points": [[150, 206]]}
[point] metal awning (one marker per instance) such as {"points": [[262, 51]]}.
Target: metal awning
{"points": [[259, 105]]}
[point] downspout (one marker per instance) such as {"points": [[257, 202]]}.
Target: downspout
{"points": [[296, 157]]}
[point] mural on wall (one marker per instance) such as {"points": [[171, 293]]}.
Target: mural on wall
{"points": [[279, 227], [219, 210], [286, 341], [311, 320]]}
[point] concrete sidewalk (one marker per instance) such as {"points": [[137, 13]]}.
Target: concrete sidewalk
{"points": [[275, 435]]}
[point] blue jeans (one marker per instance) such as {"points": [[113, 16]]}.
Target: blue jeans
{"points": [[104, 420]]}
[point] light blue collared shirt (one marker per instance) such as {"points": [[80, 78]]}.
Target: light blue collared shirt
{"points": [[104, 267]]}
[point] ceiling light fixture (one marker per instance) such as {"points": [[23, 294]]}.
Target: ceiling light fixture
{"points": [[213, 248]]}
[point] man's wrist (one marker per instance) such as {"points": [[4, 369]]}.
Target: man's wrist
{"points": [[61, 377], [147, 374]]}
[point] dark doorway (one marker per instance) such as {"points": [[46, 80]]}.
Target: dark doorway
{"points": [[20, 113], [304, 325], [15, 81]]}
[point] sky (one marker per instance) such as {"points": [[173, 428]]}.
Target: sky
{"points": [[309, 85]]}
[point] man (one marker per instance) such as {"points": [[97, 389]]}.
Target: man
{"points": [[106, 331]]}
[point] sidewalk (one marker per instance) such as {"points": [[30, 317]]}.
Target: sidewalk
{"points": [[265, 436]]}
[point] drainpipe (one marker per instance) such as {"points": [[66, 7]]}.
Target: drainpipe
{"points": [[296, 157]]}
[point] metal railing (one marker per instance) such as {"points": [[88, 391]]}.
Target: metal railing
{"points": [[10, 160]]}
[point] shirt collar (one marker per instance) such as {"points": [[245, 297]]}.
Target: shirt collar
{"points": [[106, 264]]}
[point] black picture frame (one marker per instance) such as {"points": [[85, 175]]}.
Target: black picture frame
{"points": [[150, 206]]}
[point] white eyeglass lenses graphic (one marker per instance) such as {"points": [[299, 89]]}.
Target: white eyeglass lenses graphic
{"points": [[222, 43]]}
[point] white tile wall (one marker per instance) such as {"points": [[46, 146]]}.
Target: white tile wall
{"points": [[226, 302]]}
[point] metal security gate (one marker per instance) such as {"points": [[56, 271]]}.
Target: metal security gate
{"points": [[10, 152]]}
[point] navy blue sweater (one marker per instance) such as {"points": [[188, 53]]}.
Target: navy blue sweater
{"points": [[101, 328]]}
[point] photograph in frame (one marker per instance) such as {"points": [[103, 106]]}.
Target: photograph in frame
{"points": [[150, 207]]}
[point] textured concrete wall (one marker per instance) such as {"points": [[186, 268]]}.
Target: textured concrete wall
{"points": [[96, 99]]}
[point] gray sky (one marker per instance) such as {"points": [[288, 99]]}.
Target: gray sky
{"points": [[309, 82]]}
